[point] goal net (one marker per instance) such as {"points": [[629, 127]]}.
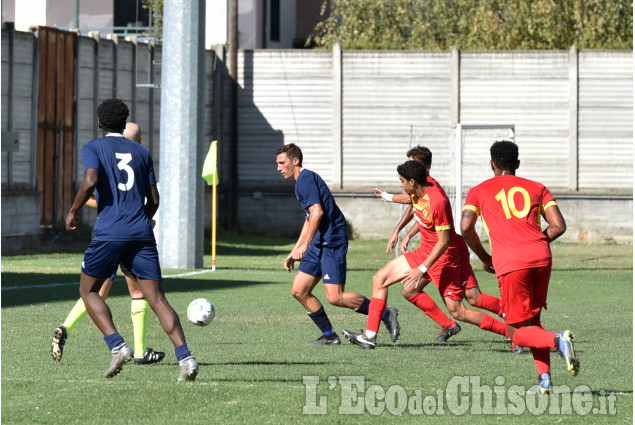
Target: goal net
{"points": [[460, 156]]}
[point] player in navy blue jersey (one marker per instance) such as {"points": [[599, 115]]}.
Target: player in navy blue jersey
{"points": [[138, 308], [322, 248], [121, 174]]}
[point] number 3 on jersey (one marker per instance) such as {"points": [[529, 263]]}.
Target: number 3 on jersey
{"points": [[125, 158], [509, 206]]}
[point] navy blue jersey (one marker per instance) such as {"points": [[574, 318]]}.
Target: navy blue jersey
{"points": [[125, 171], [310, 189]]}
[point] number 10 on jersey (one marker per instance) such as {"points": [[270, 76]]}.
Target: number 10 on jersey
{"points": [[509, 206]]}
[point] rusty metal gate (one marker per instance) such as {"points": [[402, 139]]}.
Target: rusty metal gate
{"points": [[56, 123]]}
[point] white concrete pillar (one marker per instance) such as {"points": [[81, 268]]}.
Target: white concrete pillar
{"points": [[182, 83]]}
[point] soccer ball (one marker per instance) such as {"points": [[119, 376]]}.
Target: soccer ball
{"points": [[201, 312]]}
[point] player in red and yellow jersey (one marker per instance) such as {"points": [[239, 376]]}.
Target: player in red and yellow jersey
{"points": [[511, 208], [473, 294], [436, 259]]}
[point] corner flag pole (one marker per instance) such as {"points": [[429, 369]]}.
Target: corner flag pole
{"points": [[210, 174], [214, 222]]}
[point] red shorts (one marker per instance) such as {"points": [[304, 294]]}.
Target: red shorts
{"points": [[445, 273], [524, 293], [468, 279]]}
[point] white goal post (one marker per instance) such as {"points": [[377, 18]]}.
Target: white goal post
{"points": [[475, 139], [460, 156]]}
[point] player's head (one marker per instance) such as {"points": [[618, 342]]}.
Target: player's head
{"points": [[112, 114], [289, 160], [504, 155], [292, 151], [413, 170], [133, 132], [421, 154]]}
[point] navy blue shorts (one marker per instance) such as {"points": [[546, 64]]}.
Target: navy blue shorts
{"points": [[125, 270], [141, 258], [327, 262]]}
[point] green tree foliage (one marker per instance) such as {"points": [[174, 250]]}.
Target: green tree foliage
{"points": [[475, 24], [155, 7]]}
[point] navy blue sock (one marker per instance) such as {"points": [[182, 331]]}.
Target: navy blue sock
{"points": [[113, 340], [322, 321], [181, 352], [363, 309]]}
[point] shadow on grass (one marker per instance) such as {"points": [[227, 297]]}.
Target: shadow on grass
{"points": [[16, 292], [604, 393], [427, 345], [265, 251], [601, 393], [249, 245], [592, 269], [264, 363], [234, 380]]}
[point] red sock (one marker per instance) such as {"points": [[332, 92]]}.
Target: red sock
{"points": [[489, 303], [488, 323], [534, 337], [425, 303], [375, 310], [542, 358]]}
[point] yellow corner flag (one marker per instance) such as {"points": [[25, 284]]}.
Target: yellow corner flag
{"points": [[210, 174], [209, 166]]}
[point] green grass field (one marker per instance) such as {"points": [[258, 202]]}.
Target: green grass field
{"points": [[256, 366]]}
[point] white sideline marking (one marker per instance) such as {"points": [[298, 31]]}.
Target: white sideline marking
{"points": [[52, 285]]}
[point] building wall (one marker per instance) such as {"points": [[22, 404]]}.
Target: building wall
{"points": [[105, 68], [355, 114], [20, 213], [371, 218], [253, 19], [97, 15], [249, 24], [8, 11], [21, 162], [20, 220]]}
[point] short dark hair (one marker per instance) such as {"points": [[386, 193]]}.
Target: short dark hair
{"points": [[504, 154], [112, 114], [421, 154], [413, 170], [292, 151]]}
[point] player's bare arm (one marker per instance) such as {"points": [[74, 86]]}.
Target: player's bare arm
{"points": [[403, 247], [400, 198], [85, 191], [416, 275], [468, 230], [311, 224], [289, 261], [557, 225], [405, 219], [152, 200]]}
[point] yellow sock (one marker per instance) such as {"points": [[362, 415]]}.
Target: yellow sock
{"points": [[77, 313], [139, 311]]}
